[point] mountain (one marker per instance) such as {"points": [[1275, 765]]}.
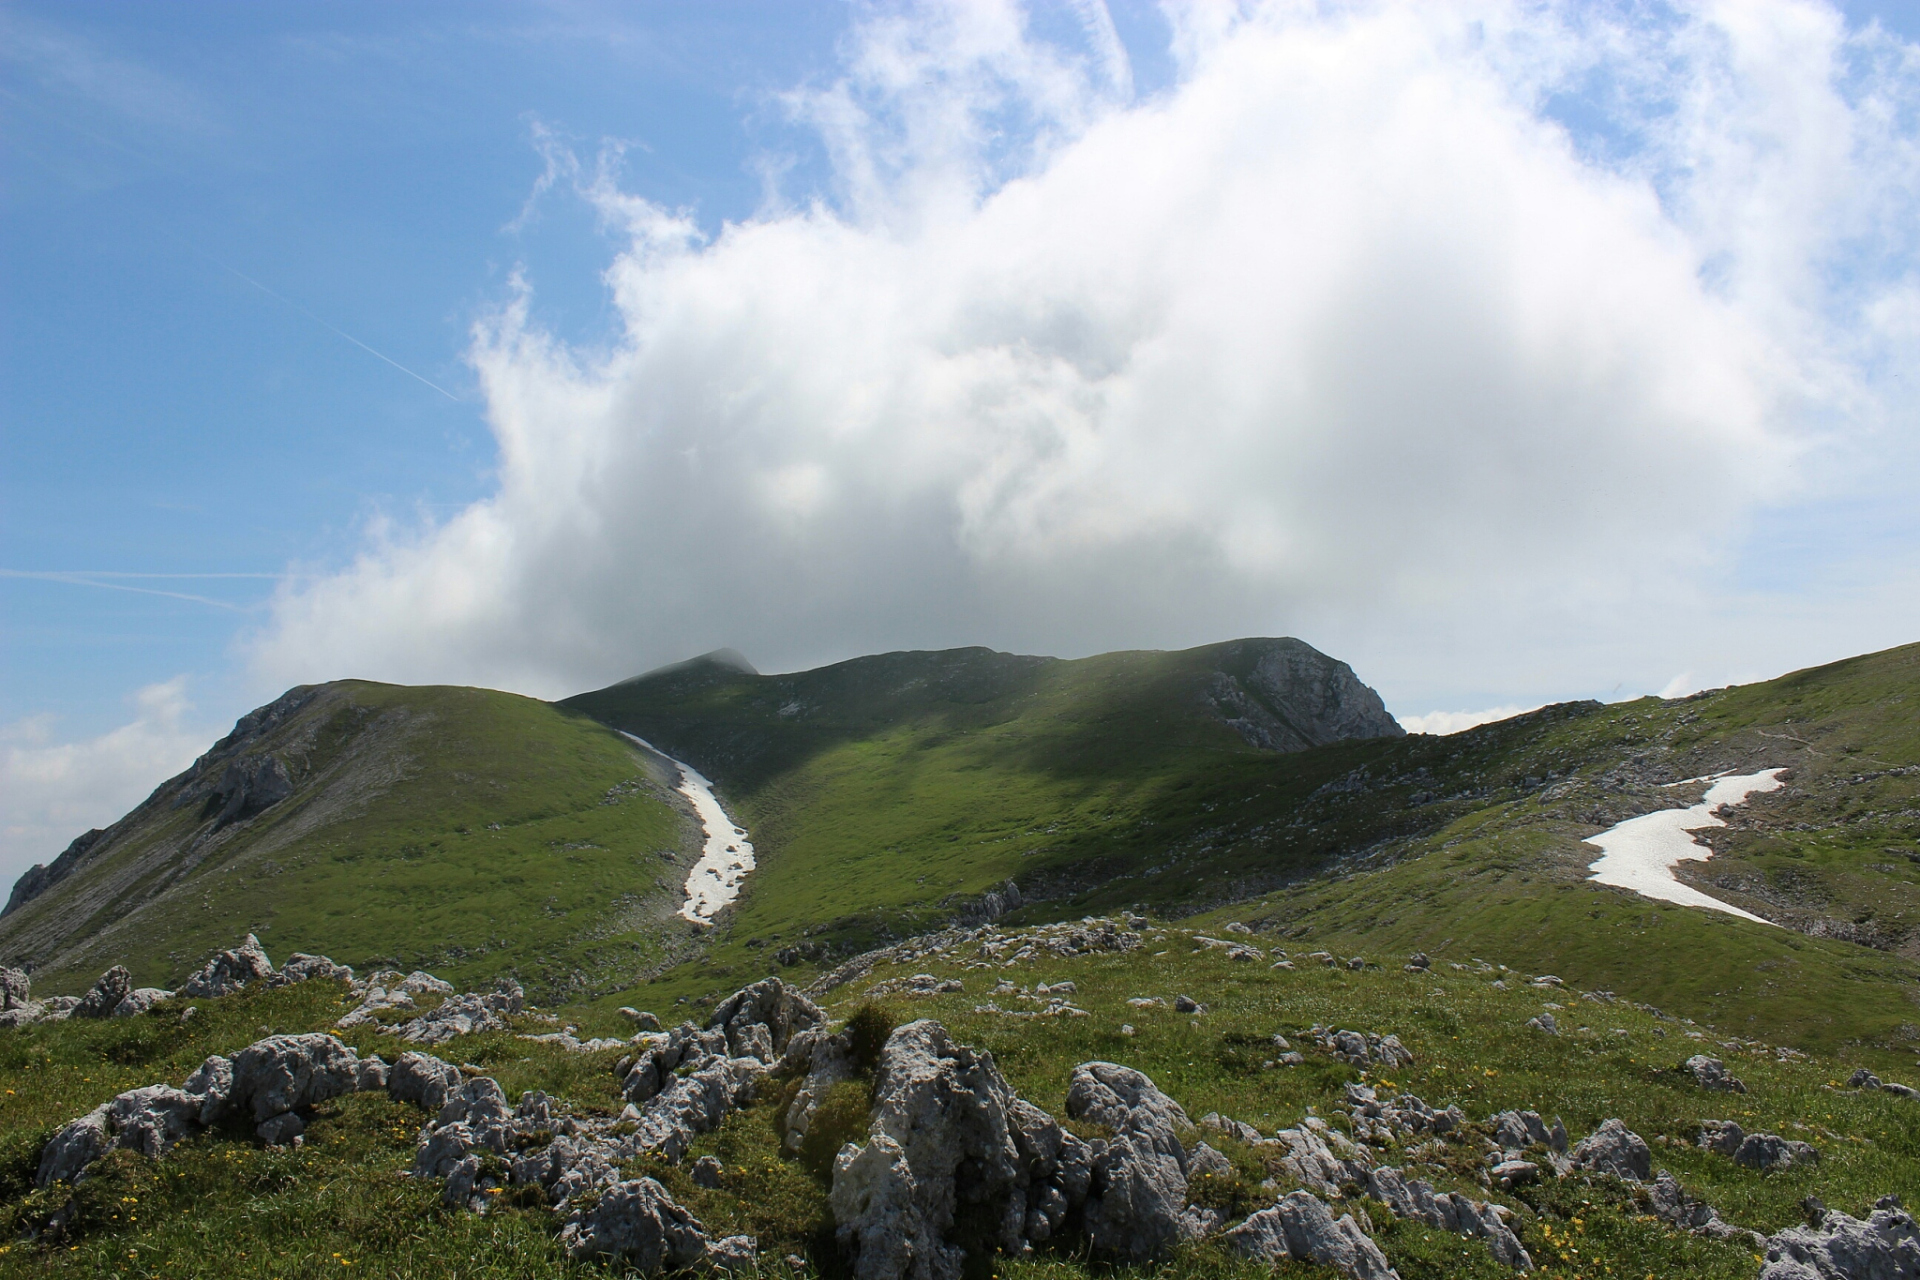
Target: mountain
{"points": [[903, 790], [460, 830]]}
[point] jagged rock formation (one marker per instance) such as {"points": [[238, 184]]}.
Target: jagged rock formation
{"points": [[1301, 1226], [1614, 1149], [1285, 695], [1455, 1213], [1137, 1199], [1886, 1246], [1671, 1204], [1712, 1075]]}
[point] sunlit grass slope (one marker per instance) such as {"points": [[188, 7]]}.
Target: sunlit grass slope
{"points": [[465, 831], [1095, 786]]}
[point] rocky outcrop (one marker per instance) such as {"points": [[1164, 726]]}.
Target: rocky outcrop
{"points": [[1397, 1118], [301, 967], [15, 988], [761, 1019], [1322, 1158], [1450, 1212], [638, 1223], [139, 1000], [464, 1015], [1362, 1049], [945, 1126], [389, 989], [1672, 1205], [1616, 1150], [113, 986], [1711, 1074], [41, 877], [1302, 1227], [1865, 1079], [1138, 1193], [1886, 1246], [229, 971], [1285, 695], [271, 1081]]}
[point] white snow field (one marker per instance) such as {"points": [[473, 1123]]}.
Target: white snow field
{"points": [[1641, 853], [728, 855]]}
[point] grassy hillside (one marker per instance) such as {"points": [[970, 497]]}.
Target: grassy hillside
{"points": [[460, 830], [1087, 784], [222, 1206]]}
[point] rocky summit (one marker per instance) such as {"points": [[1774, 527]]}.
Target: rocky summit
{"points": [[1152, 964]]}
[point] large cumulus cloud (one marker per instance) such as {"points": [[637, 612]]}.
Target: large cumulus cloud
{"points": [[1382, 318]]}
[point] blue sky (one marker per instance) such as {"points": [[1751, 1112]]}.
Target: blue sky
{"points": [[248, 434]]}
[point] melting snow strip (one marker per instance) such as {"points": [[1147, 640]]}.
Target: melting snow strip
{"points": [[727, 856], [1641, 853]]}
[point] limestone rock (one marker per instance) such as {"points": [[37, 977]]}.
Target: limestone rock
{"points": [[229, 971], [138, 1001], [78, 1144], [1450, 1212], [1362, 1049], [827, 1060], [301, 967], [696, 1103], [1302, 1227], [639, 1223], [706, 1172], [1518, 1130], [1321, 1158], [641, 1019], [1886, 1246], [282, 1130], [1723, 1137], [465, 1015], [422, 1079], [1546, 1023], [212, 1083], [1139, 1184], [1770, 1151], [1614, 1149], [946, 1129], [14, 988], [287, 1073], [768, 1003], [113, 986], [1712, 1075], [1671, 1204]]}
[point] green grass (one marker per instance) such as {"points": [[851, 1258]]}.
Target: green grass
{"points": [[882, 808], [458, 830], [222, 1206]]}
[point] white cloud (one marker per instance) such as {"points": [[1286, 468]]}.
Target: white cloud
{"points": [[1444, 722], [1342, 331], [52, 791]]}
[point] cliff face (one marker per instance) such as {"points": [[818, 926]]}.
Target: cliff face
{"points": [[1285, 695]]}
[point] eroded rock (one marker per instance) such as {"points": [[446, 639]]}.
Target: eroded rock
{"points": [[1614, 1149], [1301, 1226], [1449, 1211], [229, 971], [1886, 1246]]}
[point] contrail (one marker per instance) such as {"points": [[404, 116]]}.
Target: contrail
{"points": [[85, 580], [331, 328]]}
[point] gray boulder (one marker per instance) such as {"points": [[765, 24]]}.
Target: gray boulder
{"points": [[825, 1060], [229, 971], [1322, 1158], [1302, 1227], [465, 1015], [653, 1070], [78, 1144], [1518, 1130], [695, 1103], [1614, 1149], [1884, 1247], [638, 1223], [138, 1001], [1722, 1137], [423, 1080], [1712, 1075], [1671, 1204], [946, 1129], [287, 1073], [282, 1130], [1770, 1151], [706, 1172], [1544, 1022], [770, 1003], [1138, 1191], [301, 967], [1450, 1212], [212, 1083], [14, 989], [113, 986]]}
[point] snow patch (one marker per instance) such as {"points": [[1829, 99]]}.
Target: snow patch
{"points": [[1641, 853], [727, 856]]}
